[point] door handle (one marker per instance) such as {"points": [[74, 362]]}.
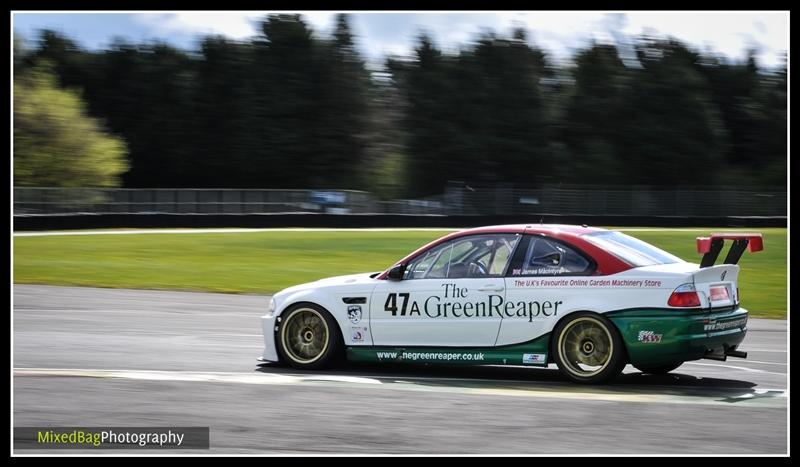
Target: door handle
{"points": [[491, 288]]}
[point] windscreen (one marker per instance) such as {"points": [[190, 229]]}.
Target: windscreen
{"points": [[631, 250]]}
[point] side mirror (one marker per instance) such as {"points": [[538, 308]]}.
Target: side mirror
{"points": [[397, 272]]}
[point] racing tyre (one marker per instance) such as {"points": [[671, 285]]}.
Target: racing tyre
{"points": [[588, 348], [308, 338], [660, 369]]}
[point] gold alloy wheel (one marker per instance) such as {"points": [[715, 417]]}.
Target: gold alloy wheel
{"points": [[585, 347], [305, 335]]}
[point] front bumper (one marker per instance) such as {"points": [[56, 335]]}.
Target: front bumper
{"points": [[656, 337], [270, 353]]}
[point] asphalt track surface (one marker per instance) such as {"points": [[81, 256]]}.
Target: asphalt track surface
{"points": [[106, 357]]}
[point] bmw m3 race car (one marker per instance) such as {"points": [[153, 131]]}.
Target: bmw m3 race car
{"points": [[589, 300]]}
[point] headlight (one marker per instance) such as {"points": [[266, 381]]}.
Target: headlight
{"points": [[271, 308]]}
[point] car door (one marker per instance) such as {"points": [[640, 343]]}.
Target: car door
{"points": [[450, 295], [538, 285]]}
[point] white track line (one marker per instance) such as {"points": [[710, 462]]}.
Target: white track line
{"points": [[752, 370], [210, 376], [679, 229], [296, 377], [51, 233], [204, 231], [764, 363], [282, 379]]}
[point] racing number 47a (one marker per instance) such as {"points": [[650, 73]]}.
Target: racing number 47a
{"points": [[391, 303]]}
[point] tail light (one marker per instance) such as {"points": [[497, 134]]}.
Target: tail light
{"points": [[719, 293], [685, 296]]}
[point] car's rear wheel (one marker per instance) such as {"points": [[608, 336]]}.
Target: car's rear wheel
{"points": [[308, 337], [588, 348], [659, 369]]}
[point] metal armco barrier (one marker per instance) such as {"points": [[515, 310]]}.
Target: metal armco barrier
{"points": [[101, 221]]}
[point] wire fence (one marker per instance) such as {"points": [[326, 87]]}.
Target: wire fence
{"points": [[457, 199], [38, 201]]}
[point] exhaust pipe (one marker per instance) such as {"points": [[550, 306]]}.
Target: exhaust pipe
{"points": [[736, 353], [722, 355]]}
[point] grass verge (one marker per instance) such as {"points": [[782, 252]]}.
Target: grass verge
{"points": [[265, 262]]}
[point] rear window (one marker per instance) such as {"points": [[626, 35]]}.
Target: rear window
{"points": [[549, 258], [631, 250]]}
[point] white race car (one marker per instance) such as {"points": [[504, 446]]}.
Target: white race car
{"points": [[589, 300]]}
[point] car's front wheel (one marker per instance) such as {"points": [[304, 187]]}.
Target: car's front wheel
{"points": [[308, 337], [660, 369], [588, 348]]}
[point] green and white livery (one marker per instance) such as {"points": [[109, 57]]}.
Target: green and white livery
{"points": [[589, 300]]}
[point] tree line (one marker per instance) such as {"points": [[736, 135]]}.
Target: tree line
{"points": [[290, 109]]}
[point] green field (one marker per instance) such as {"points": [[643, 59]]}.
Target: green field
{"points": [[265, 262]]}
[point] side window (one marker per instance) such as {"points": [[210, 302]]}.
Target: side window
{"points": [[419, 267], [441, 264], [468, 257], [501, 258], [545, 257]]}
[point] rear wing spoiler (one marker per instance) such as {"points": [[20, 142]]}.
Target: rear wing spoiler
{"points": [[711, 246]]}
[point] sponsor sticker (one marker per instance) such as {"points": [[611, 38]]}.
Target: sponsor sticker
{"points": [[454, 302], [721, 326], [649, 337], [354, 313], [429, 356], [534, 358], [550, 283], [358, 334]]}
